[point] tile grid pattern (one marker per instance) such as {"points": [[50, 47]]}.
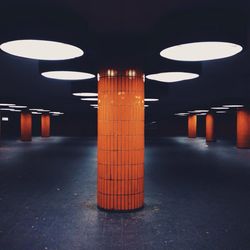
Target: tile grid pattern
{"points": [[120, 141]]}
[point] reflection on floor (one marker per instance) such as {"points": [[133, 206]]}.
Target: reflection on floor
{"points": [[197, 197]]}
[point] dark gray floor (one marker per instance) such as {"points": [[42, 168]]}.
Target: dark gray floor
{"points": [[197, 197]]}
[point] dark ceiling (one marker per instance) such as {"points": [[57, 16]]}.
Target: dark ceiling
{"points": [[126, 33]]}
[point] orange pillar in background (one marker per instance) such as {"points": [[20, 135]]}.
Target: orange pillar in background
{"points": [[120, 185], [45, 125], [192, 125], [243, 128], [26, 126], [210, 127]]}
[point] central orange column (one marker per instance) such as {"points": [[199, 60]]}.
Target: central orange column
{"points": [[243, 128], [210, 127], [45, 125], [120, 185], [26, 126], [192, 125]]}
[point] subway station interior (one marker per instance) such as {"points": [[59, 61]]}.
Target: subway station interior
{"points": [[125, 125]]}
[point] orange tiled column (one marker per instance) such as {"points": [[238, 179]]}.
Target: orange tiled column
{"points": [[120, 140], [26, 126], [210, 127], [45, 125], [192, 125], [243, 128]]}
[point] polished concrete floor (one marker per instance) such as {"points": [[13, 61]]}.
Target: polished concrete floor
{"points": [[197, 196]]}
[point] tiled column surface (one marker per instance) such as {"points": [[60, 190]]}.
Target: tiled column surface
{"points": [[210, 127], [243, 128], [120, 140], [45, 125], [26, 126], [192, 125]]}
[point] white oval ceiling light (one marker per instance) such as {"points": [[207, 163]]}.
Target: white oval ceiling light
{"points": [[219, 108], [56, 113], [40, 110], [172, 76], [68, 75], [199, 111], [151, 100], [89, 99], [7, 109], [41, 49], [36, 113], [84, 94], [233, 106], [201, 51], [7, 104], [221, 112], [181, 114], [18, 107]]}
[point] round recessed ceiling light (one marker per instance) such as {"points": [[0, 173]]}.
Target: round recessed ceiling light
{"points": [[172, 76], [94, 105], [151, 100], [7, 109], [18, 107], [40, 110], [199, 111], [146, 106], [233, 106], [89, 99], [181, 114], [201, 51], [85, 94], [56, 113], [41, 49], [7, 104], [221, 112], [36, 113], [68, 75], [219, 108], [5, 119]]}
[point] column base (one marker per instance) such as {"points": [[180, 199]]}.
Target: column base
{"points": [[120, 211]]}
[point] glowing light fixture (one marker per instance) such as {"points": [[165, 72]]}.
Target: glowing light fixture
{"points": [[219, 108], [36, 113], [89, 99], [40, 110], [7, 109], [201, 51], [41, 49], [18, 107], [233, 106], [221, 112], [68, 75], [172, 76], [5, 119], [6, 104], [181, 114], [202, 114], [146, 106], [56, 113], [199, 111], [94, 105], [83, 94], [151, 100]]}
